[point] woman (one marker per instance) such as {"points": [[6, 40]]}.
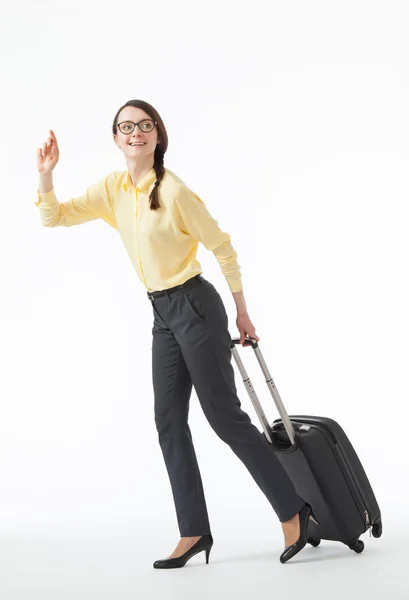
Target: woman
{"points": [[161, 221]]}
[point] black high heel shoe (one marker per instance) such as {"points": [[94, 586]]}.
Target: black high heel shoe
{"points": [[290, 551], [205, 543]]}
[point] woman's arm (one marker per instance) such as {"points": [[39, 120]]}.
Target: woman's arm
{"points": [[194, 218], [94, 204], [202, 226], [243, 322]]}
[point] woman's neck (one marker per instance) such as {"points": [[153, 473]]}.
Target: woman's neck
{"points": [[138, 170]]}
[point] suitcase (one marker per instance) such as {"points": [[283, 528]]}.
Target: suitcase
{"points": [[322, 464]]}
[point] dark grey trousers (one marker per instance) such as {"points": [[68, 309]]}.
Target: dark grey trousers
{"points": [[191, 345]]}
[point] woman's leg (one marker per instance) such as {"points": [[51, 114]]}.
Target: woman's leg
{"points": [[199, 322], [172, 389]]}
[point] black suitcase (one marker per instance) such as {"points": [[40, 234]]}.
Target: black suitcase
{"points": [[322, 464]]}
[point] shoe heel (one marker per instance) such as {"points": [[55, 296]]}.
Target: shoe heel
{"points": [[207, 555], [313, 518]]}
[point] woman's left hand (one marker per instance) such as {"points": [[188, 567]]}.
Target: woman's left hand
{"points": [[245, 327]]}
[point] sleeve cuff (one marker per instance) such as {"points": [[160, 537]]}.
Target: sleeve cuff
{"points": [[45, 198], [236, 285]]}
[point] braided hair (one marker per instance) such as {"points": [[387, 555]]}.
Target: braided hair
{"points": [[160, 172]]}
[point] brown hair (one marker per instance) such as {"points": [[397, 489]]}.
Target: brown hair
{"points": [[159, 150]]}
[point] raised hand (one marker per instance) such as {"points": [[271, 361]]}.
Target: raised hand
{"points": [[48, 155]]}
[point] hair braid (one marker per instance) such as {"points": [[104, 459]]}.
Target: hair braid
{"points": [[160, 172]]}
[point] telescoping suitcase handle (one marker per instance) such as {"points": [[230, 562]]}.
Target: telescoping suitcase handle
{"points": [[271, 386]]}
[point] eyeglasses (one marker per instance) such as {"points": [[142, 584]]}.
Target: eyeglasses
{"points": [[145, 126]]}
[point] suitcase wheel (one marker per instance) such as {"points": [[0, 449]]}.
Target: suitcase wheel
{"points": [[314, 541], [357, 546]]}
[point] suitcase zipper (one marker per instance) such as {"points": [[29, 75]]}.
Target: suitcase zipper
{"points": [[358, 495], [358, 490], [368, 523]]}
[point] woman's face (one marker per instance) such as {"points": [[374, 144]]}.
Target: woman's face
{"points": [[124, 140]]}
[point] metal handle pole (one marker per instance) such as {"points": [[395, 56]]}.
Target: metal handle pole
{"points": [[271, 386]]}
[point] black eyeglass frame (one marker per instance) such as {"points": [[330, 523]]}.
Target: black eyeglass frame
{"points": [[137, 125]]}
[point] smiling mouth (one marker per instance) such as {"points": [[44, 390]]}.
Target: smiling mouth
{"points": [[138, 144]]}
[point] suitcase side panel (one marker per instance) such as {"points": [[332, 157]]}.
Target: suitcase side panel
{"points": [[318, 478], [352, 464]]}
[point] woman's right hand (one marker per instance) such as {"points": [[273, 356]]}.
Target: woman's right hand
{"points": [[48, 155]]}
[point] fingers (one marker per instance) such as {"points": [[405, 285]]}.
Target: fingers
{"points": [[53, 138], [244, 334], [45, 149], [47, 146]]}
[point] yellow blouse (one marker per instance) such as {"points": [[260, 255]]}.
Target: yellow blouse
{"points": [[162, 244]]}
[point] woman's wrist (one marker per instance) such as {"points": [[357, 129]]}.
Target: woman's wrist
{"points": [[240, 302], [46, 182]]}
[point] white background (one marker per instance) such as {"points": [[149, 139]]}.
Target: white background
{"points": [[290, 120]]}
